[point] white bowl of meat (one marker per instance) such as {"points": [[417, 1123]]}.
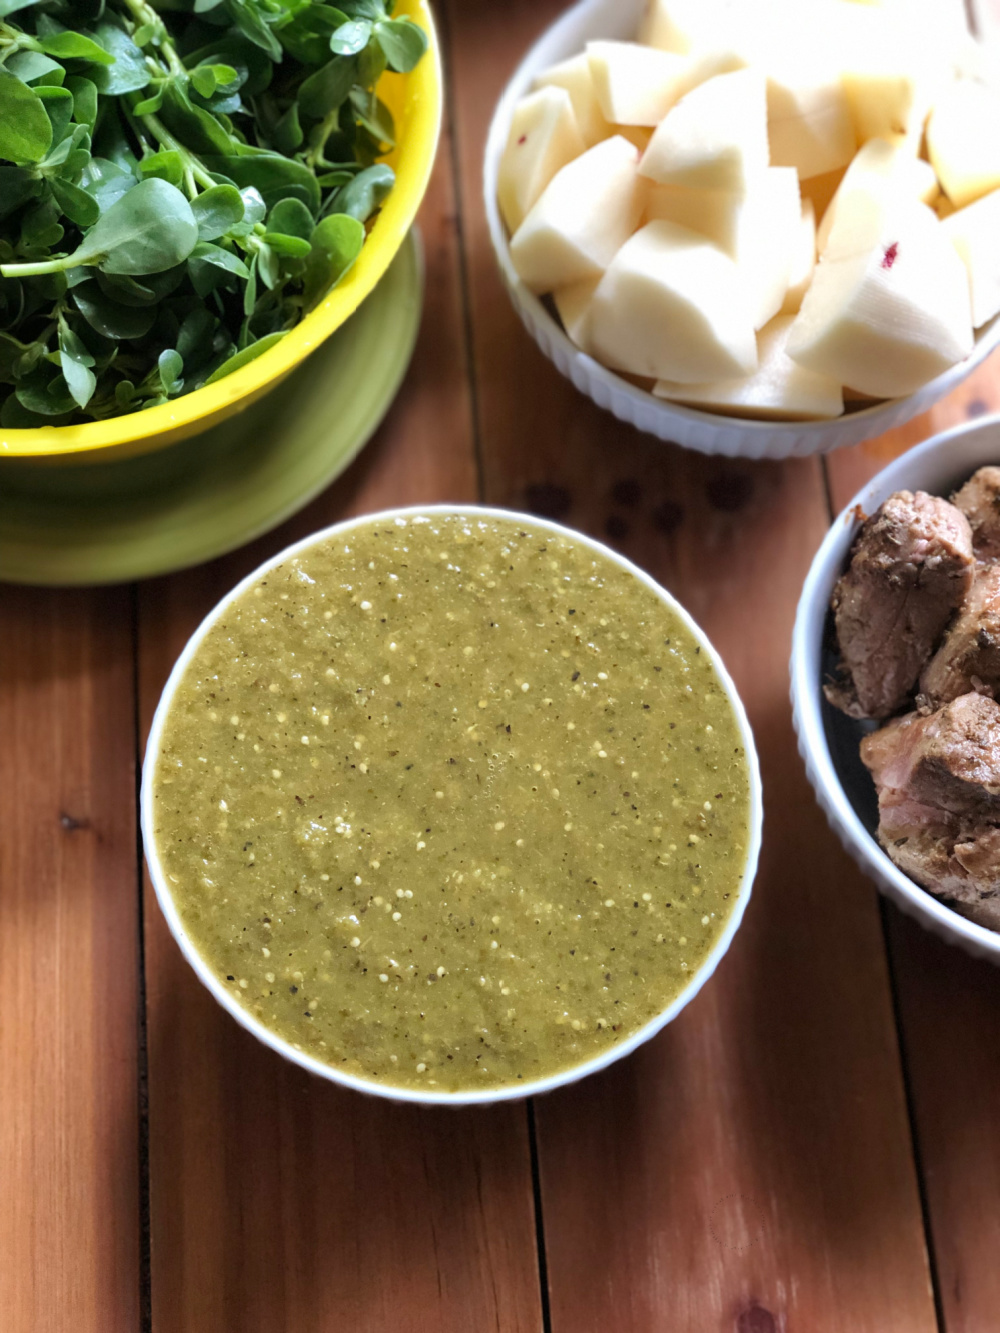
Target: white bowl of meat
{"points": [[716, 220], [895, 681]]}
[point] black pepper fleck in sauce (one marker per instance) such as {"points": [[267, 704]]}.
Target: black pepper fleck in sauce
{"points": [[391, 785]]}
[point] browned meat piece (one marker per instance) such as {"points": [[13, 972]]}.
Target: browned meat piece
{"points": [[911, 567], [979, 501], [969, 656], [938, 781]]}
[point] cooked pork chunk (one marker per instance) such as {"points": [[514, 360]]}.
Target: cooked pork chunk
{"points": [[979, 501], [938, 782], [969, 656], [911, 567]]}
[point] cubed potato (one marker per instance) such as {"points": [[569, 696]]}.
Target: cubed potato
{"points": [[586, 214], [779, 390], [974, 231], [544, 137], [672, 306], [963, 142], [575, 77], [888, 308], [715, 137]]}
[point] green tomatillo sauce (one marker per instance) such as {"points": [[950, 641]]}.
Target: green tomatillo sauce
{"points": [[452, 802]]}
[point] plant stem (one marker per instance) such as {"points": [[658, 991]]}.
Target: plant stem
{"points": [[148, 17], [58, 265], [320, 136], [166, 140]]}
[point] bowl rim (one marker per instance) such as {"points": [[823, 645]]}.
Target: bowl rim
{"points": [[806, 692], [421, 91], [809, 434], [488, 1096]]}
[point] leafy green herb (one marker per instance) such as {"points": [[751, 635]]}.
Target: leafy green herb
{"points": [[178, 186]]}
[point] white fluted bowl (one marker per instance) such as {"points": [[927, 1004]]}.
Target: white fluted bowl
{"points": [[828, 740], [708, 433]]}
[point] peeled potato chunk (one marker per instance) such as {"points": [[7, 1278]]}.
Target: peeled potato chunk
{"points": [[758, 230], [888, 308], [585, 215], [637, 85], [779, 390], [809, 119], [881, 164], [974, 231], [963, 142], [715, 138], [544, 138], [575, 77], [672, 306], [573, 304]]}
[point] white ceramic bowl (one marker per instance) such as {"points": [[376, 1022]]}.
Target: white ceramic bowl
{"points": [[828, 741], [704, 431], [242, 1016]]}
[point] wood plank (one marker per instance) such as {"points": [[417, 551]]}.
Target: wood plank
{"points": [[69, 964], [279, 1202], [949, 1005], [752, 1167]]}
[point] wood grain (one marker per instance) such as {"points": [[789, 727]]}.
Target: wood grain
{"points": [[752, 1167], [280, 1202], [949, 1007], [69, 964]]}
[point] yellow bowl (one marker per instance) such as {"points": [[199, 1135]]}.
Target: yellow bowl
{"points": [[415, 101]]}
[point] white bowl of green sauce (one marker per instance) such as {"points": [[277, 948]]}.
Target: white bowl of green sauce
{"points": [[451, 805]]}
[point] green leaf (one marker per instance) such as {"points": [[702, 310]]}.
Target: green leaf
{"points": [[106, 181], [148, 230], [203, 80], [403, 42], [75, 46], [195, 338], [76, 364], [170, 364], [58, 103], [12, 6], [351, 38], [129, 73], [46, 393], [307, 37], [150, 105], [167, 165], [290, 247], [291, 218], [244, 358], [328, 88], [365, 193], [32, 65], [219, 257], [108, 318], [77, 204], [17, 186], [84, 100], [40, 226], [11, 352], [288, 134], [336, 244], [274, 176], [25, 129], [196, 128], [251, 24], [217, 211]]}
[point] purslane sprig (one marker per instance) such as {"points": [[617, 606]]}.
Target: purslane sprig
{"points": [[179, 184]]}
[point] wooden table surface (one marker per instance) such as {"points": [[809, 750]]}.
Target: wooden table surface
{"points": [[812, 1146]]}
